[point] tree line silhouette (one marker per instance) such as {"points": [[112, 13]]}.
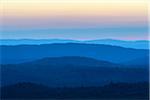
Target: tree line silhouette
{"points": [[112, 90]]}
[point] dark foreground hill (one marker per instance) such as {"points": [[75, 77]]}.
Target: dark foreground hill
{"points": [[125, 91], [71, 71], [25, 53]]}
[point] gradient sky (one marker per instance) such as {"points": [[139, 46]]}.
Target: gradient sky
{"points": [[74, 19]]}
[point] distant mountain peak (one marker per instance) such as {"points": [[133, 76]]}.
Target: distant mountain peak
{"points": [[71, 60]]}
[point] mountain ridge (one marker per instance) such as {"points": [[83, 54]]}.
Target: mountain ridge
{"points": [[137, 44], [71, 61], [60, 72], [19, 53]]}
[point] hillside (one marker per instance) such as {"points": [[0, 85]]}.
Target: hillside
{"points": [[25, 53], [141, 44], [71, 71]]}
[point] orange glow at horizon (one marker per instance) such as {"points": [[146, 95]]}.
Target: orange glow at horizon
{"points": [[128, 16]]}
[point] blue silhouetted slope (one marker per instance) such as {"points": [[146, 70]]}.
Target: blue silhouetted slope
{"points": [[140, 44], [72, 61], [71, 72], [34, 41], [119, 91], [138, 62], [24, 53]]}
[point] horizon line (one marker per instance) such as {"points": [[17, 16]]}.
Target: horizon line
{"points": [[75, 39]]}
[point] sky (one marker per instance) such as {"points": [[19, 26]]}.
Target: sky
{"points": [[74, 19]]}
